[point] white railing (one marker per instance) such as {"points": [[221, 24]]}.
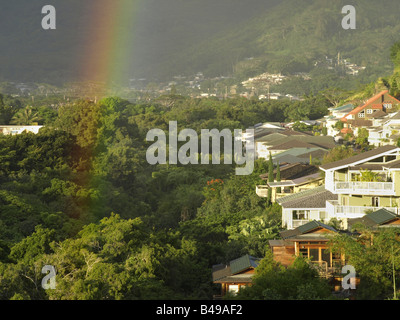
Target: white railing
{"points": [[298, 223], [335, 210], [262, 191], [365, 188], [321, 267]]}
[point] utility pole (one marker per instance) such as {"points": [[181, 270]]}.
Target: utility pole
{"points": [[394, 277]]}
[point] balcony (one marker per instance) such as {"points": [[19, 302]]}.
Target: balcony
{"points": [[262, 191], [326, 271], [335, 210], [365, 188], [298, 223]]}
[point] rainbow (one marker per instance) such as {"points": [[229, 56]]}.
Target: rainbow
{"points": [[109, 41]]}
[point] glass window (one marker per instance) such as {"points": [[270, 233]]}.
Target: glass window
{"points": [[375, 201], [304, 252], [233, 288], [326, 256], [314, 254], [300, 214]]}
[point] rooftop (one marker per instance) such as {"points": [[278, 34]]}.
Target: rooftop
{"points": [[375, 219], [307, 228], [313, 198], [359, 158], [359, 108], [297, 182], [294, 171], [292, 144], [232, 271], [344, 107]]}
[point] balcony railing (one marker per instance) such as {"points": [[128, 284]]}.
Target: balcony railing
{"points": [[335, 210], [262, 191], [298, 223], [325, 270], [365, 188]]}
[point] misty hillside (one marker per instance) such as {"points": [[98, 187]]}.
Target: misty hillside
{"points": [[292, 35], [172, 37], [160, 30]]}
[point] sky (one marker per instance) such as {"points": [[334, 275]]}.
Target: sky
{"points": [[109, 39]]}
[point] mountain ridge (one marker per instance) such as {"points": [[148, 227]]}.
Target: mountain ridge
{"points": [[228, 37]]}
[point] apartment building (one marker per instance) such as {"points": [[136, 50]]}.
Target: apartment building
{"points": [[363, 183]]}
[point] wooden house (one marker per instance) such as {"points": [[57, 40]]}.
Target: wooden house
{"points": [[310, 241], [234, 275]]}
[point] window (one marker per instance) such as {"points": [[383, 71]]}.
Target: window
{"points": [[387, 105], [304, 252], [361, 114], [369, 111], [300, 214], [233, 288], [314, 254], [375, 201], [326, 256]]}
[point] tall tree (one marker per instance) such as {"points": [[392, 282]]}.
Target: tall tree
{"points": [[270, 178], [26, 117], [278, 177]]}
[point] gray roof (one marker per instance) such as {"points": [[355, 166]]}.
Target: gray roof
{"points": [[306, 228], [395, 164], [376, 218], [292, 144], [378, 114], [392, 165], [313, 201], [325, 142], [296, 182], [288, 183], [348, 107], [243, 263], [290, 159], [396, 116], [301, 194], [270, 137], [296, 151], [311, 177], [231, 272], [359, 157], [240, 278]]}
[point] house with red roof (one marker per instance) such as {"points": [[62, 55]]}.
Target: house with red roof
{"points": [[363, 115]]}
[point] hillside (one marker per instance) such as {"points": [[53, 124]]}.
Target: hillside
{"points": [[172, 37], [293, 34], [154, 34]]}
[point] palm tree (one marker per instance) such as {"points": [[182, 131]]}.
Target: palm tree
{"points": [[26, 117]]}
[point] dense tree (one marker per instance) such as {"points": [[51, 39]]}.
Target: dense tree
{"points": [[26, 117], [275, 282], [375, 256]]}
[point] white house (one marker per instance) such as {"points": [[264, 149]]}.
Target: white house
{"points": [[14, 129]]}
